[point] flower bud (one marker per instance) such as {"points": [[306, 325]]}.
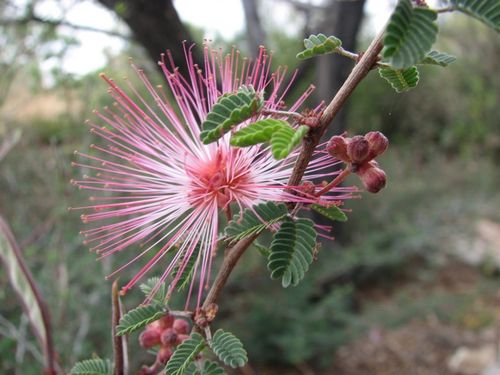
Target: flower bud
{"points": [[378, 143], [168, 337], [358, 149], [166, 321], [181, 326], [181, 338], [149, 338], [373, 178], [164, 355], [337, 147]]}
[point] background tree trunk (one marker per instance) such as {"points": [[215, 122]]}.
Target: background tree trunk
{"points": [[255, 33]]}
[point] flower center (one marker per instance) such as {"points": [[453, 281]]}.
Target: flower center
{"points": [[223, 178]]}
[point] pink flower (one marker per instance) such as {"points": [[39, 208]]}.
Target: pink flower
{"points": [[161, 189]]}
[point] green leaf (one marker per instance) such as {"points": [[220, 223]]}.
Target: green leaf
{"points": [[319, 44], [188, 271], [254, 220], [410, 34], [257, 132], [438, 58], [263, 250], [212, 368], [161, 293], [139, 317], [285, 139], [332, 212], [487, 11], [96, 366], [228, 348], [292, 251], [230, 110], [400, 80], [185, 354]]}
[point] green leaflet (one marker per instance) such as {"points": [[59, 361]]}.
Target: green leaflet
{"points": [[96, 366], [487, 11], [257, 132], [332, 213], [228, 348], [185, 354], [292, 251], [161, 293], [187, 272], [255, 220], [285, 139], [438, 58], [139, 317], [410, 34], [319, 44], [279, 133], [212, 368], [231, 109], [400, 80]]}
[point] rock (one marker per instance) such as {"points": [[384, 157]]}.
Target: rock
{"points": [[473, 361]]}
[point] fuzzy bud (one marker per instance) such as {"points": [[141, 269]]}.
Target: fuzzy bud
{"points": [[378, 143], [164, 355], [307, 188], [373, 178], [337, 147], [181, 326], [149, 338], [358, 149], [168, 337], [181, 338], [166, 321]]}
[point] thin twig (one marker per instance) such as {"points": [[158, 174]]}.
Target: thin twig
{"points": [[119, 342]]}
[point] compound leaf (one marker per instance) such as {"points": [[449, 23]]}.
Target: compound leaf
{"points": [[139, 317], [95, 366], [258, 132], [400, 80], [254, 220], [228, 349], [332, 212], [487, 11], [292, 251], [285, 139], [438, 58], [149, 286], [230, 110], [319, 44], [185, 354], [410, 34]]}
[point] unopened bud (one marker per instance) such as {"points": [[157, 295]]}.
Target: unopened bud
{"points": [[373, 178], [181, 326], [181, 338], [164, 354], [337, 147], [168, 337], [166, 321], [358, 149], [307, 188], [378, 143], [149, 338]]}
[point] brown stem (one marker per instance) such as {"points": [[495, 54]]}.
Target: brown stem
{"points": [[119, 342], [360, 70], [341, 177], [48, 344]]}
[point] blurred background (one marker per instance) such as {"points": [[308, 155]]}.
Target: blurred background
{"points": [[410, 286]]}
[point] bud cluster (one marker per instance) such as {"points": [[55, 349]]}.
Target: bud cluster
{"points": [[360, 152], [165, 333]]}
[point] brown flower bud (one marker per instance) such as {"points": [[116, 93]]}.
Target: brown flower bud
{"points": [[373, 178], [337, 147], [358, 149], [164, 355], [378, 143], [168, 337], [149, 338], [181, 326]]}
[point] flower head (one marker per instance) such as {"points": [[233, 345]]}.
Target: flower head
{"points": [[161, 189]]}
